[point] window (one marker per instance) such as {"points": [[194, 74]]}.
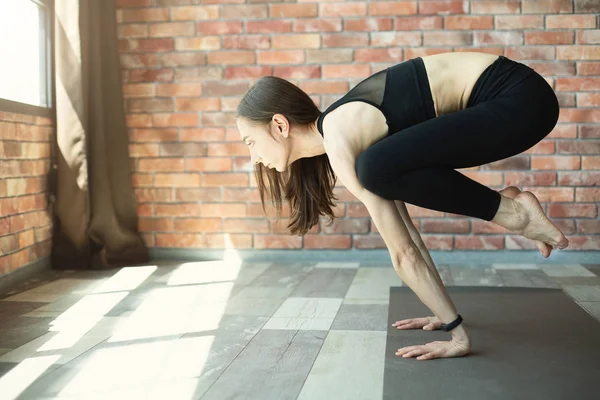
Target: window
{"points": [[25, 48]]}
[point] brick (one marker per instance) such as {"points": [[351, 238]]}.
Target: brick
{"points": [[342, 9], [138, 90], [182, 149], [367, 24], [553, 68], [298, 72], [139, 120], [169, 29], [530, 53], [293, 10], [555, 162], [224, 241], [225, 88], [590, 162], [151, 45], [246, 42], [246, 225], [198, 194], [275, 26], [445, 226], [321, 87], [566, 99], [424, 51], [245, 11], [198, 43], [182, 59], [590, 227], [418, 23], [297, 41], [139, 60], [438, 242], [546, 6], [195, 104], [154, 135], [133, 3], [579, 115], [180, 240], [250, 72], [218, 119], [327, 242], [199, 74], [549, 37], [143, 150], [479, 242], [463, 22], [551, 195], [280, 57], [589, 132], [588, 68], [175, 120], [485, 177], [149, 105], [345, 71], [519, 22], [144, 14], [132, 30], [579, 178], [179, 89], [382, 8], [443, 7], [151, 75], [155, 224], [231, 57], [497, 37], [563, 131], [571, 210], [587, 195], [587, 6], [212, 164], [241, 194], [446, 38], [588, 36], [225, 179], [345, 39], [588, 99], [318, 25], [227, 149], [577, 83], [578, 52], [390, 54], [219, 27], [194, 13], [230, 210], [530, 178], [176, 180], [161, 164], [579, 147], [396, 39], [570, 21], [176, 210]]}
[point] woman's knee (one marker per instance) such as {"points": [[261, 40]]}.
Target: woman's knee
{"points": [[369, 173]]}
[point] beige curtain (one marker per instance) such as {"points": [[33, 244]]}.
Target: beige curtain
{"points": [[95, 217]]}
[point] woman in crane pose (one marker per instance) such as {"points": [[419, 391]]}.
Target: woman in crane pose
{"points": [[398, 136]]}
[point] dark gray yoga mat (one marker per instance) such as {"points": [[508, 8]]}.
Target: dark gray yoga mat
{"points": [[527, 343]]}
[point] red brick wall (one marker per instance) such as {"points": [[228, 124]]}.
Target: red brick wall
{"points": [[186, 65], [25, 156]]}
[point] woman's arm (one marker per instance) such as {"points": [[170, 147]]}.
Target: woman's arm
{"points": [[408, 262]]}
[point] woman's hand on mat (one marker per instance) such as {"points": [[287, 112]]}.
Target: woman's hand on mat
{"points": [[427, 323], [433, 350]]}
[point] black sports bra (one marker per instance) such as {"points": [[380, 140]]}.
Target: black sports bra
{"points": [[401, 92]]}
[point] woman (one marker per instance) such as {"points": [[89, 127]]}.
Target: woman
{"points": [[397, 137]]}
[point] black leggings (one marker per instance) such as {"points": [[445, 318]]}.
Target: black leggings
{"points": [[511, 108]]}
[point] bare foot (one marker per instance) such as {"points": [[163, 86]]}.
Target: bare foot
{"points": [[511, 192], [534, 224]]}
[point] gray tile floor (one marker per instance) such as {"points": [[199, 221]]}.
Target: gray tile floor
{"points": [[220, 330]]}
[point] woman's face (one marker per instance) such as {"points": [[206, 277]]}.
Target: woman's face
{"points": [[267, 144]]}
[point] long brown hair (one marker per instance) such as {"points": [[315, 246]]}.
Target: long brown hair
{"points": [[308, 182]]}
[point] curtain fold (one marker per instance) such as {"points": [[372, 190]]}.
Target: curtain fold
{"points": [[95, 213]]}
